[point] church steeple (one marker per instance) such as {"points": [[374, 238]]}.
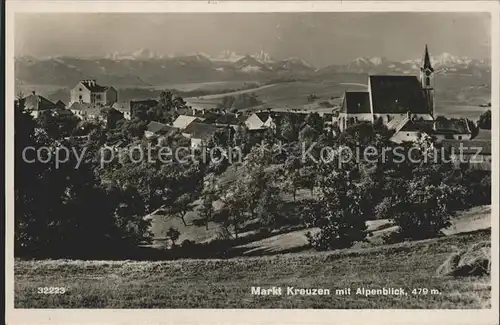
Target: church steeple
{"points": [[427, 61], [426, 71], [427, 80]]}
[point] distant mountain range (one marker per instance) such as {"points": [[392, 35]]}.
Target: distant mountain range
{"points": [[147, 68]]}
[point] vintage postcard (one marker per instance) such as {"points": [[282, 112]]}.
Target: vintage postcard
{"points": [[252, 162]]}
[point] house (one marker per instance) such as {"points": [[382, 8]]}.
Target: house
{"points": [[37, 104], [407, 129], [200, 133], [110, 116], [156, 129], [85, 111], [228, 120], [457, 129], [60, 105], [124, 108], [391, 96], [260, 121], [475, 154], [89, 92], [182, 121]]}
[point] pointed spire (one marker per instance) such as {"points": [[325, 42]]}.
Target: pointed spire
{"points": [[427, 61]]}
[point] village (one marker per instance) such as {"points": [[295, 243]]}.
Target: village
{"points": [[404, 104]]}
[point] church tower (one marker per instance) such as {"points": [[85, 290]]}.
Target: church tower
{"points": [[427, 80]]}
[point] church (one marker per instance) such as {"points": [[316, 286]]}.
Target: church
{"points": [[392, 99]]}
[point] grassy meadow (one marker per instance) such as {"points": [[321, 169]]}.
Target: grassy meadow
{"points": [[227, 283]]}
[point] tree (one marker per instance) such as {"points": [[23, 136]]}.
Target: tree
{"points": [[291, 173], [421, 210], [485, 120], [64, 210], [57, 126], [173, 234], [315, 122], [344, 220], [208, 197]]}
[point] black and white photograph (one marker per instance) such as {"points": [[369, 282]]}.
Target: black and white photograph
{"points": [[253, 160]]}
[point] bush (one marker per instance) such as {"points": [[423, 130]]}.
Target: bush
{"points": [[422, 210], [485, 120]]}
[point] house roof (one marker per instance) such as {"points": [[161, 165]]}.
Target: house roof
{"points": [[356, 102], [88, 108], [229, 119], [182, 121], [419, 126], [93, 86], [122, 106], [60, 104], [470, 147], [160, 128], [82, 106], [263, 116], [398, 122], [201, 130], [398, 94], [37, 102]]}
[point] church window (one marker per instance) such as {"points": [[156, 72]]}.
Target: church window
{"points": [[427, 81]]}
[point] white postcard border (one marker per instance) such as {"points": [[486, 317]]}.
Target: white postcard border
{"points": [[242, 316]]}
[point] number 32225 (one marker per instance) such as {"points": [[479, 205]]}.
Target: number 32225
{"points": [[51, 290]]}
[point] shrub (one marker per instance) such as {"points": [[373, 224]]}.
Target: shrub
{"points": [[422, 210]]}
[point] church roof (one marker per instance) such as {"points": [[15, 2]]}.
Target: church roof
{"points": [[398, 95], [356, 102]]}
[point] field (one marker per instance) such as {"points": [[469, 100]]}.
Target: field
{"points": [[227, 283]]}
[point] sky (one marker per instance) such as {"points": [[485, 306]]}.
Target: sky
{"points": [[319, 38]]}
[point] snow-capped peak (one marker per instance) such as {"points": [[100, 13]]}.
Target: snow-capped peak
{"points": [[229, 56], [263, 57], [449, 59]]}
